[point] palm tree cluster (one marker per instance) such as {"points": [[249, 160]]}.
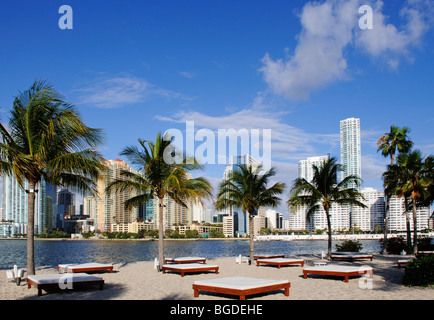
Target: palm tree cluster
{"points": [[410, 175]]}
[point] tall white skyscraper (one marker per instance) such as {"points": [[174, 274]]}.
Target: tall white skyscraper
{"points": [[351, 147], [305, 167]]}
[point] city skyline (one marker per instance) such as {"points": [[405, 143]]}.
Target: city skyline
{"points": [[297, 68]]}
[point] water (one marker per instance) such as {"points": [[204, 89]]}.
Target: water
{"points": [[52, 253]]}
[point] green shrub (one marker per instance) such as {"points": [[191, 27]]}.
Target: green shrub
{"points": [[395, 245], [424, 244], [349, 246], [419, 272]]}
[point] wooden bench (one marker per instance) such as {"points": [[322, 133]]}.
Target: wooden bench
{"points": [[62, 281], [189, 268], [240, 286], [338, 270], [279, 262]]}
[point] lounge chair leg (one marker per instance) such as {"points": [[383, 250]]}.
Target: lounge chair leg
{"points": [[242, 297], [305, 275], [287, 292], [196, 293], [346, 278]]}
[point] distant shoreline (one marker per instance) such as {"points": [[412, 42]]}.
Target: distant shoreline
{"points": [[191, 239]]}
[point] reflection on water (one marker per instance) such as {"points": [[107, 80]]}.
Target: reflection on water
{"points": [[53, 252]]}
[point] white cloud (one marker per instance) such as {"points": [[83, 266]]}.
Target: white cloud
{"points": [[329, 29], [188, 75], [386, 40], [288, 142], [119, 91]]}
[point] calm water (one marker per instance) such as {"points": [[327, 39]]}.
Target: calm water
{"points": [[52, 253]]}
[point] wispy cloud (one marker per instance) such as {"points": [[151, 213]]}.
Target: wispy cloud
{"points": [[288, 142], [119, 91], [329, 30], [188, 75]]}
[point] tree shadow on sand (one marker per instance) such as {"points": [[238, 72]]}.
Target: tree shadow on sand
{"points": [[110, 291]]}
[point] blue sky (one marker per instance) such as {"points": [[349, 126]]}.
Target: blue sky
{"points": [[134, 68]]}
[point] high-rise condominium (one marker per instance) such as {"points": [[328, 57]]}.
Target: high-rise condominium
{"points": [[15, 206], [350, 147], [108, 209], [305, 167]]}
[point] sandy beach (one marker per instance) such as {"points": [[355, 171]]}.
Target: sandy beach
{"points": [[140, 281]]}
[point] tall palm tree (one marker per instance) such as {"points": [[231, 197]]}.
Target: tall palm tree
{"points": [[247, 188], [46, 139], [324, 190], [391, 142], [414, 180], [391, 180], [158, 178]]}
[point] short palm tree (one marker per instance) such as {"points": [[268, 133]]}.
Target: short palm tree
{"points": [[391, 142], [323, 191], [247, 188], [413, 179], [157, 178], [46, 139]]}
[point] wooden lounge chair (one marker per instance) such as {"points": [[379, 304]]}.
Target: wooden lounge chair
{"points": [[403, 262], [184, 268], [268, 256], [351, 257], [279, 262], [84, 267], [185, 260], [62, 281], [424, 253], [240, 286], [338, 270]]}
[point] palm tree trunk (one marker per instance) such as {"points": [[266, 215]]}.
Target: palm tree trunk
{"points": [[386, 222], [414, 227], [251, 255], [161, 234], [329, 232], [31, 231], [407, 221]]}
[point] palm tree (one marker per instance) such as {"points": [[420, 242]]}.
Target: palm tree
{"points": [[391, 180], [159, 178], [414, 180], [323, 191], [395, 140], [46, 139], [246, 188]]}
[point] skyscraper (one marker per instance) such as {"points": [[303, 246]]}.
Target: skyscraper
{"points": [[351, 147], [107, 209], [305, 167], [15, 205]]}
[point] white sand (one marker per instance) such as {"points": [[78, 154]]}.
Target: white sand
{"points": [[140, 280]]}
